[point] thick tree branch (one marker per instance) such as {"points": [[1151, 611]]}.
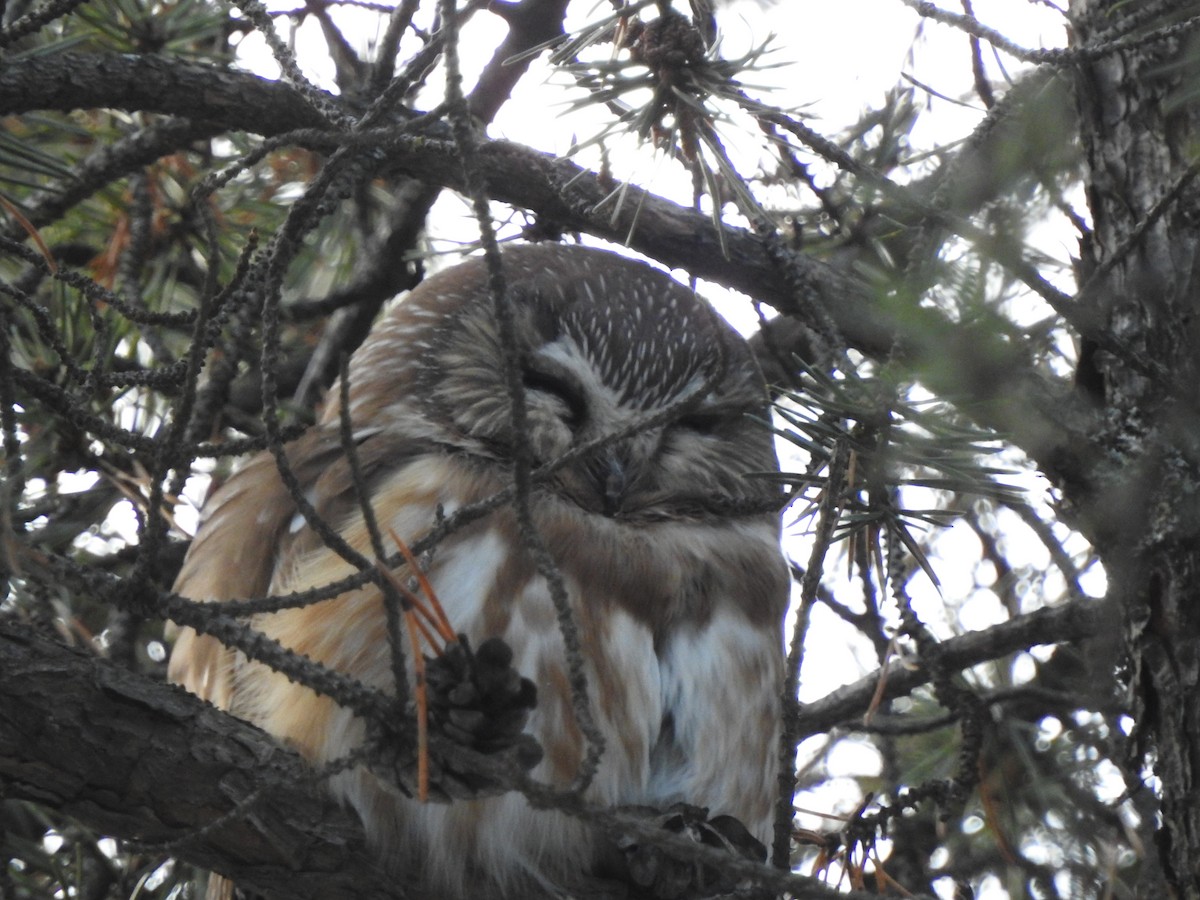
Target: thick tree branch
{"points": [[150, 762], [238, 100]]}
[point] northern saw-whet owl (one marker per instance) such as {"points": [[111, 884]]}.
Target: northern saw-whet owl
{"points": [[667, 543]]}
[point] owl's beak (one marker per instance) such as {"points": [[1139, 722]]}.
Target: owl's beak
{"points": [[616, 480], [603, 481]]}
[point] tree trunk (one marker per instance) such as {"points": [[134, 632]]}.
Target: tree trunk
{"points": [[1139, 133]]}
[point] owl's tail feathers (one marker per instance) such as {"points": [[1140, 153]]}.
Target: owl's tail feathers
{"points": [[219, 888], [203, 665]]}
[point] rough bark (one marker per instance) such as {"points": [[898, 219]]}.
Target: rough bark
{"points": [[152, 763], [1139, 130], [237, 100]]}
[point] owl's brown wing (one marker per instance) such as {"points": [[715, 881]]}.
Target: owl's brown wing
{"points": [[235, 552], [250, 528]]}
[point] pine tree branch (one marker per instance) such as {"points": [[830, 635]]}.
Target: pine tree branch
{"points": [[237, 100], [108, 164], [988, 374], [1072, 621]]}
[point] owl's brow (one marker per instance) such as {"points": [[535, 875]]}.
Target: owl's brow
{"points": [[393, 601], [645, 423]]}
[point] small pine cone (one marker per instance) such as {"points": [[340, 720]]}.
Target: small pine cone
{"points": [[478, 699]]}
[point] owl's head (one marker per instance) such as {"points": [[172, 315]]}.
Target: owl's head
{"points": [[614, 356]]}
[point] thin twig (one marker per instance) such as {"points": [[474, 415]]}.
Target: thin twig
{"points": [[522, 455], [827, 519]]}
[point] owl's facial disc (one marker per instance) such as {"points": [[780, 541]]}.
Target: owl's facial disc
{"points": [[604, 345]]}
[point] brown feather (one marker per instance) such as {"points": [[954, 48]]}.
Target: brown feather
{"points": [[223, 563]]}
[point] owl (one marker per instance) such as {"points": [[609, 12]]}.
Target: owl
{"points": [[666, 540]]}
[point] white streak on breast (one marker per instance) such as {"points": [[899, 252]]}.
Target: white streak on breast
{"points": [[720, 685], [463, 573]]}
